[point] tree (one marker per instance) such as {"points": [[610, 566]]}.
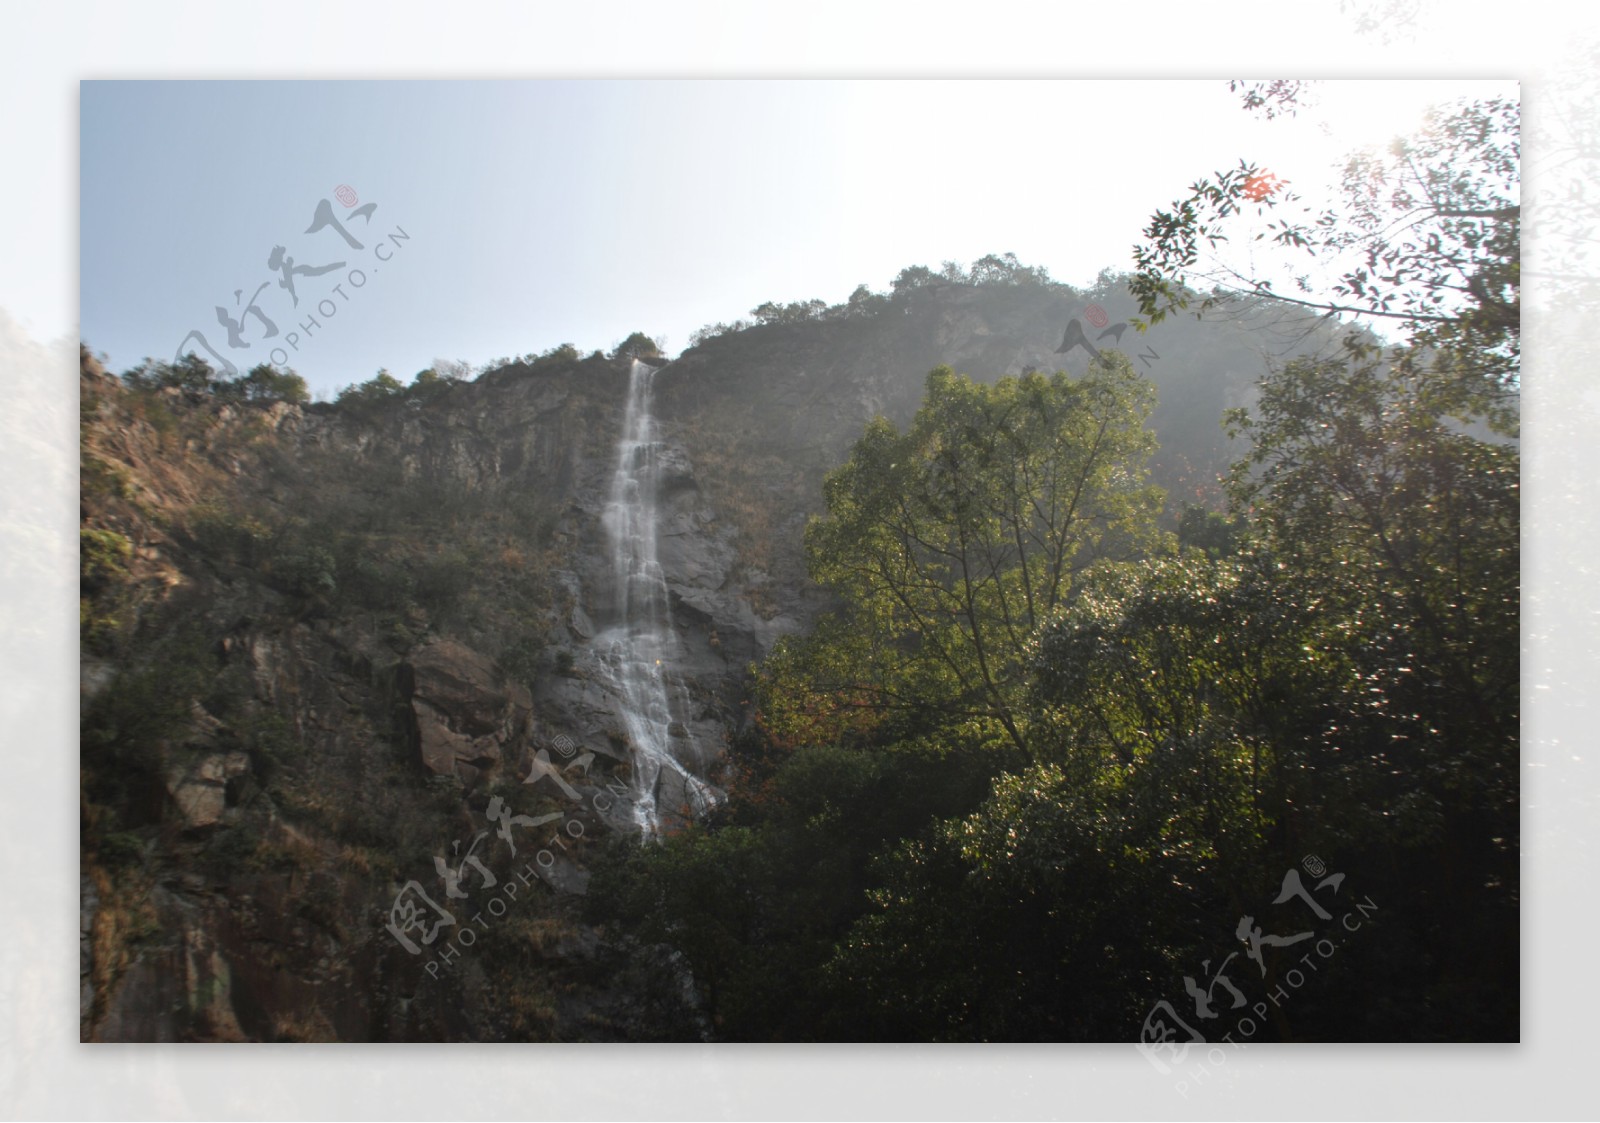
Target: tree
{"points": [[912, 277], [952, 542], [191, 372], [1343, 682], [1005, 269], [1408, 530], [1424, 236], [798, 312], [379, 387], [426, 386], [1362, 479], [560, 353], [265, 382], [1028, 920], [1213, 534], [758, 903], [1337, 665], [636, 346], [864, 302], [453, 370]]}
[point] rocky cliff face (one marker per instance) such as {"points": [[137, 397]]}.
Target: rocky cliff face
{"points": [[341, 679]]}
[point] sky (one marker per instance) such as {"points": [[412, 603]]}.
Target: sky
{"points": [[497, 218]]}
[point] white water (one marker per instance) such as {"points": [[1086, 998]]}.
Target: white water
{"points": [[640, 651]]}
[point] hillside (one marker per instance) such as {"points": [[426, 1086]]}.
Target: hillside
{"points": [[329, 650]]}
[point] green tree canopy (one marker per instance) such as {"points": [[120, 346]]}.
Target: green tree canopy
{"points": [[636, 346], [952, 542], [378, 388], [190, 372], [266, 382]]}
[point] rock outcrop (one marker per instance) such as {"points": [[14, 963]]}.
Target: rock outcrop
{"points": [[200, 791], [464, 716]]}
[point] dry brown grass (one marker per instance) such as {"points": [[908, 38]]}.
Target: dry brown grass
{"points": [[303, 1025], [124, 916]]}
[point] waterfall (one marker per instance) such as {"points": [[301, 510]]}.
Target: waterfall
{"points": [[640, 652]]}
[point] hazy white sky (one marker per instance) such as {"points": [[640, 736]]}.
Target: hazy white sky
{"points": [[539, 212]]}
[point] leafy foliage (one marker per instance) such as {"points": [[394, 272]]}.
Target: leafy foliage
{"points": [[103, 558], [189, 373], [376, 389], [1426, 235], [1023, 921], [1409, 529], [1213, 534], [758, 903], [952, 542], [1279, 96], [636, 346], [307, 572], [796, 313], [265, 382]]}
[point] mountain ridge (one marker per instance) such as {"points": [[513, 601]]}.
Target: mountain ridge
{"points": [[321, 641]]}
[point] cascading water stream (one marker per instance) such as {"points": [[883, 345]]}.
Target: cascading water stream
{"points": [[641, 650]]}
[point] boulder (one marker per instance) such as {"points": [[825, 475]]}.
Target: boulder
{"points": [[463, 714], [200, 790], [579, 623]]}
